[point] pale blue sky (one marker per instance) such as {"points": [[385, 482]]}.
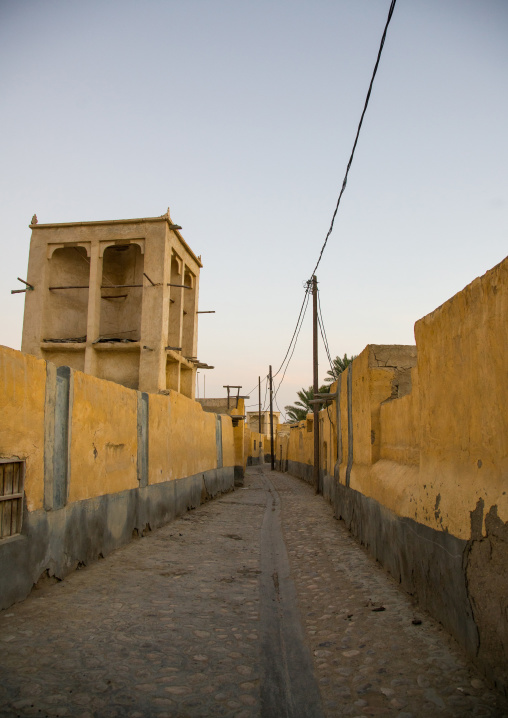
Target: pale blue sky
{"points": [[241, 117]]}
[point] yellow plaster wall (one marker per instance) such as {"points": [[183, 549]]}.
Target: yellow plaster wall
{"points": [[328, 434], [22, 398], [239, 444], [181, 438], [463, 372], [400, 421], [281, 447], [361, 408], [103, 426], [393, 482], [301, 442], [298, 446], [250, 438], [433, 454], [342, 460], [372, 385], [160, 439], [228, 442], [103, 438], [247, 443], [239, 434]]}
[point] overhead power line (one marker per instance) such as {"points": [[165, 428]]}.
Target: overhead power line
{"points": [[292, 344], [291, 348], [283, 414], [255, 387], [297, 333], [307, 290], [323, 332], [344, 183]]}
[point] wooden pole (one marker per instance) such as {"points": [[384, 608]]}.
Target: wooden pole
{"points": [[272, 457], [259, 401], [316, 381]]}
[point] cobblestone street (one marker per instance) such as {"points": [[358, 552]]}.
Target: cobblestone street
{"points": [[258, 603]]}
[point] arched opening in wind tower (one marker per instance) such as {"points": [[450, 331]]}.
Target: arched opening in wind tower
{"points": [[66, 311], [121, 292]]}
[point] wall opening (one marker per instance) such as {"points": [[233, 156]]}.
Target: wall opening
{"points": [[121, 292], [189, 315], [175, 304], [66, 312]]}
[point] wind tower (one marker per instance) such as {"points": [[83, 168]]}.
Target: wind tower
{"points": [[117, 299]]}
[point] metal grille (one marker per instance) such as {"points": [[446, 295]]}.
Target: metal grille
{"points": [[11, 497]]}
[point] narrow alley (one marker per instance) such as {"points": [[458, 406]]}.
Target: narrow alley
{"points": [[256, 604]]}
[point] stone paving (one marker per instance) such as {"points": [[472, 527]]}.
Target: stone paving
{"points": [[170, 625]]}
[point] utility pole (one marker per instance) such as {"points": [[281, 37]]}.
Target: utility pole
{"points": [[272, 457], [259, 400], [315, 407]]}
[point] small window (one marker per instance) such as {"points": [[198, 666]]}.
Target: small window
{"points": [[254, 444], [12, 474], [310, 425]]}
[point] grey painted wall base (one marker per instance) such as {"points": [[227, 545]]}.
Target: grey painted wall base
{"points": [[253, 461], [428, 564], [306, 472], [239, 475], [56, 542], [302, 471]]}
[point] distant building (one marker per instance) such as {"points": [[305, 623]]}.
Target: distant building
{"points": [[253, 421], [116, 299]]}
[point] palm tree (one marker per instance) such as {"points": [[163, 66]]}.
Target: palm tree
{"points": [[339, 365], [300, 409]]}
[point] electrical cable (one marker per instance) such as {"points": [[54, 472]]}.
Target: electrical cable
{"points": [[323, 338], [296, 340], [283, 413], [292, 347], [255, 387], [344, 183], [299, 322], [321, 325], [323, 332], [307, 291]]}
